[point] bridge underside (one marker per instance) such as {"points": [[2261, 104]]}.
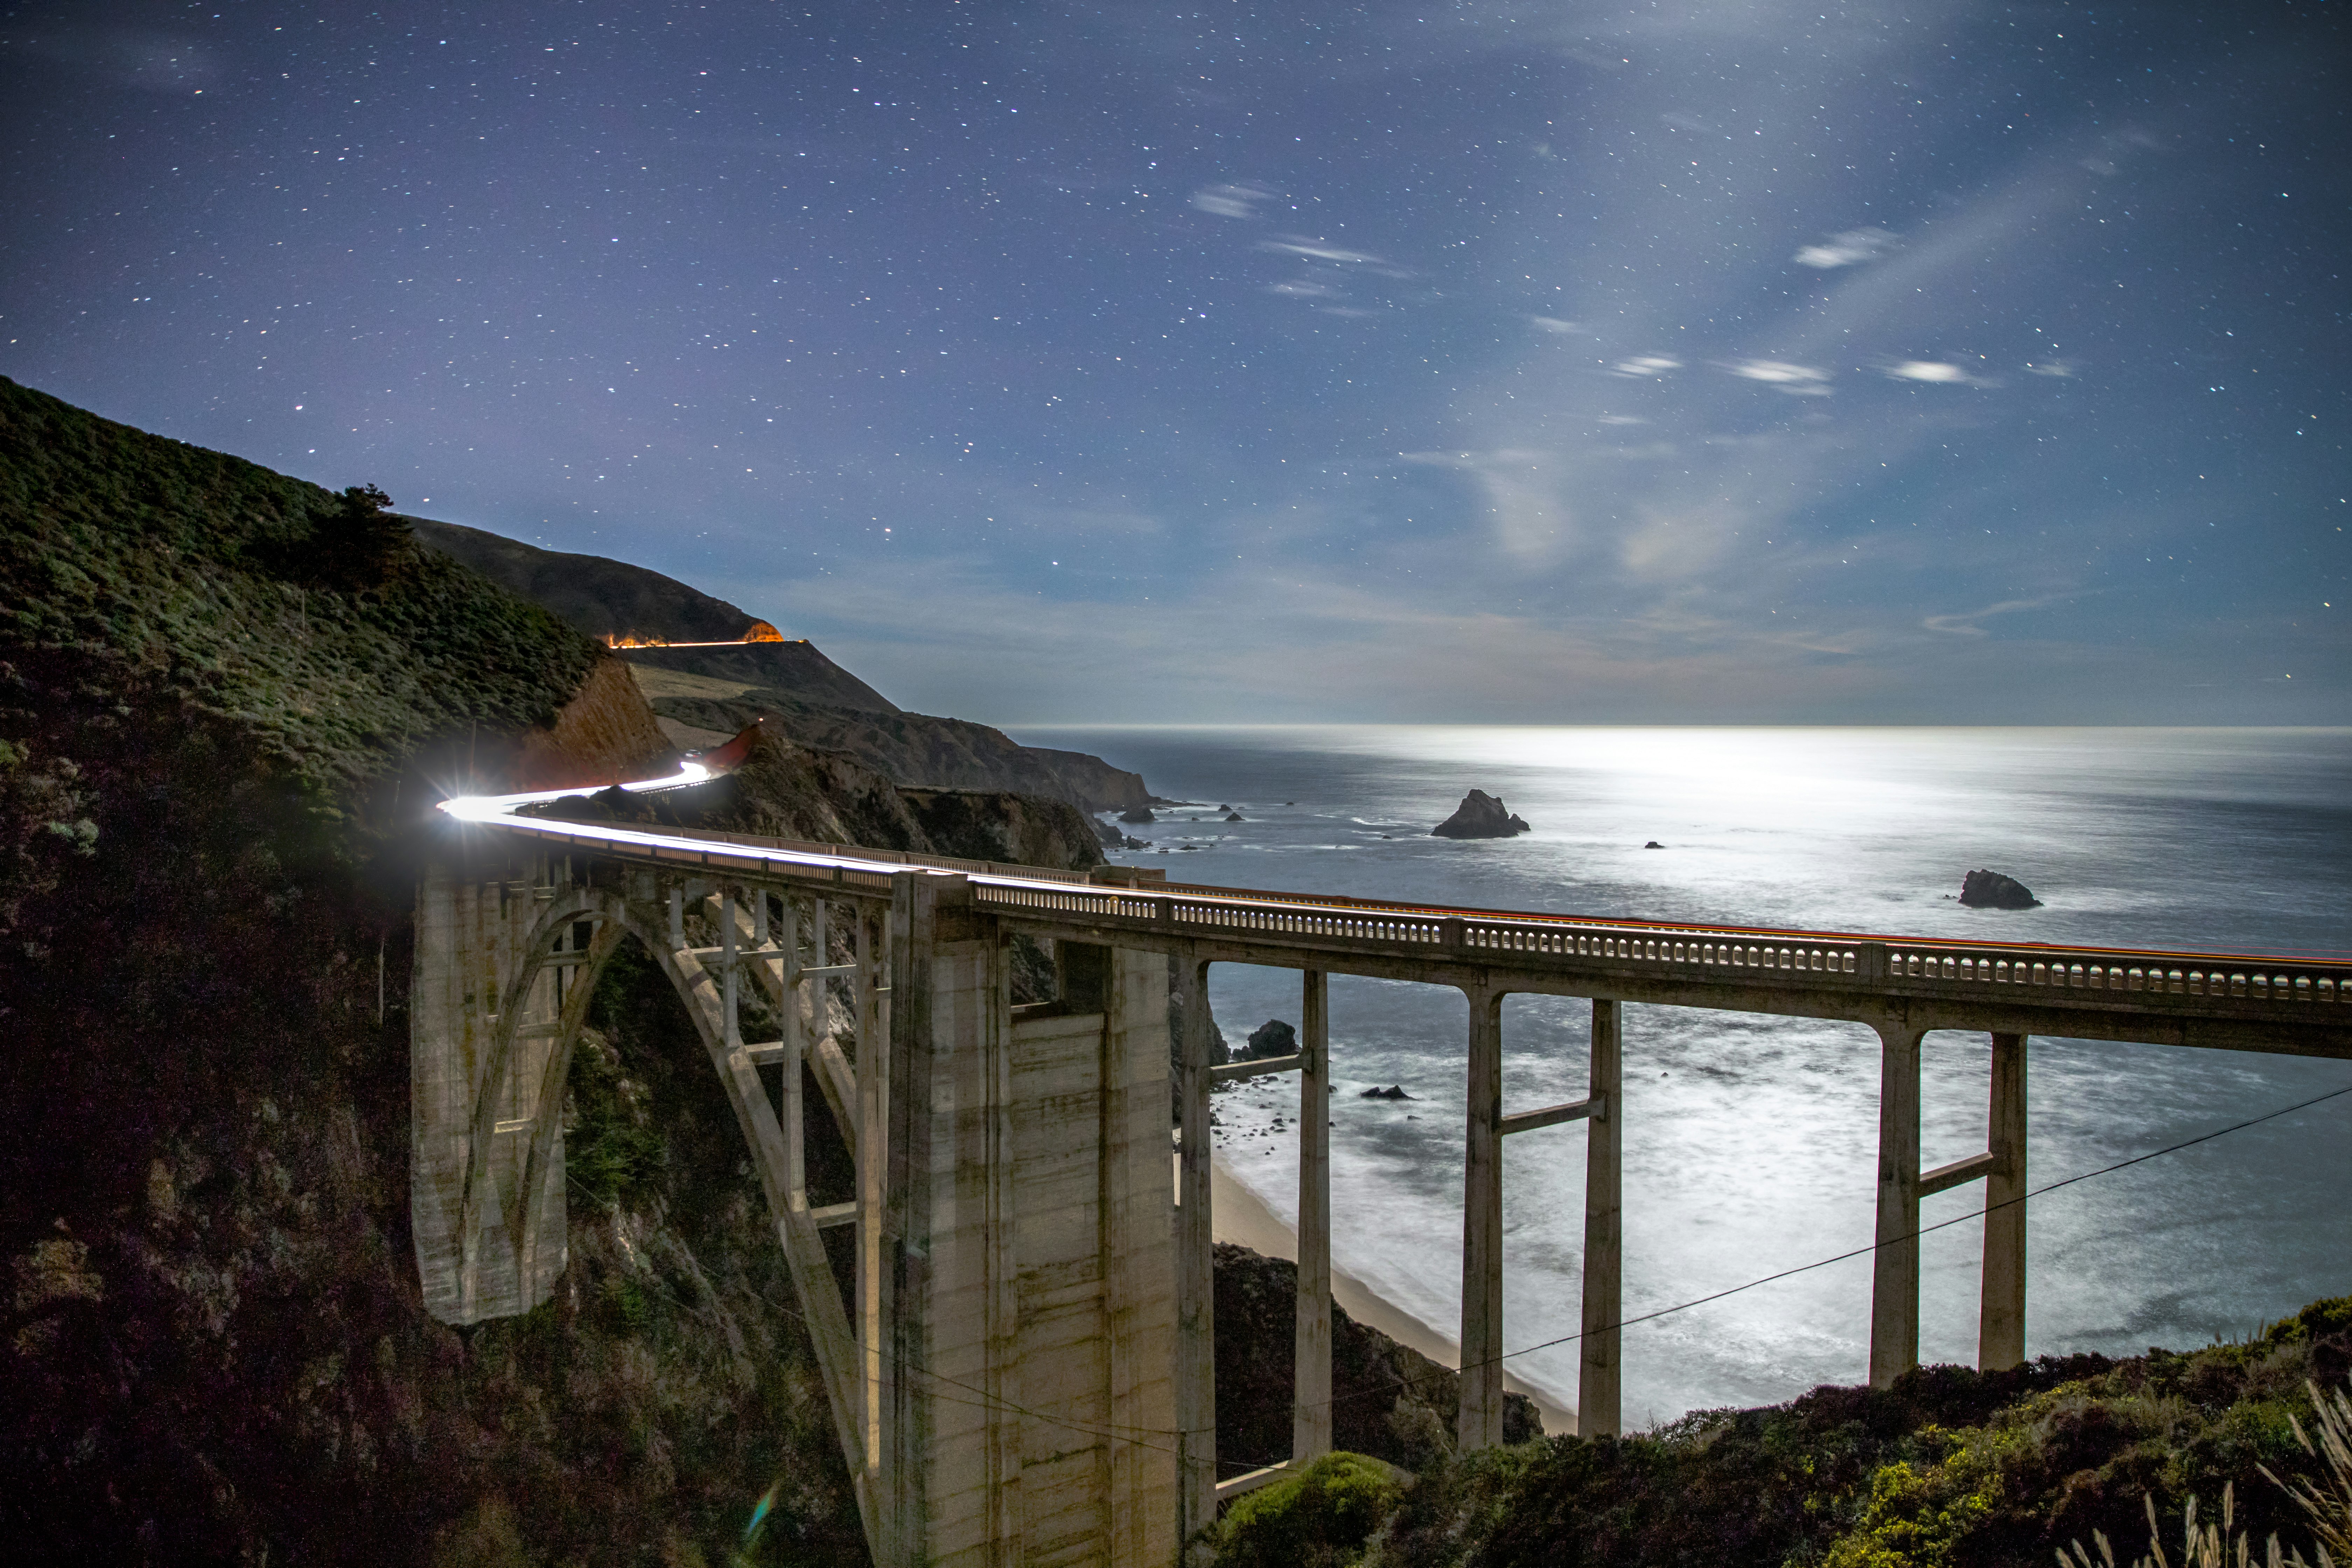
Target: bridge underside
{"points": [[1002, 1369]]}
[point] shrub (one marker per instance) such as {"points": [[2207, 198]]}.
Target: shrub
{"points": [[1319, 1518]]}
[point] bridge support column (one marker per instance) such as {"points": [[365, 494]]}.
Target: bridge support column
{"points": [[1310, 1411], [2000, 1330], [1895, 1275], [872, 1155], [1196, 1323], [1480, 1423], [1598, 1391]]}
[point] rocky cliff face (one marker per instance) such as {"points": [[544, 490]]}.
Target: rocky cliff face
{"points": [[912, 749], [1388, 1400], [786, 791], [802, 694], [604, 734]]}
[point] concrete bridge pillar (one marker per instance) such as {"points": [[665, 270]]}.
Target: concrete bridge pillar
{"points": [[1480, 1422], [1895, 1274], [1598, 1390], [1196, 1299], [1310, 1418], [2000, 1323]]}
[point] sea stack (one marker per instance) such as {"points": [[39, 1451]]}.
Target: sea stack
{"points": [[1991, 891], [1480, 815], [1271, 1039]]}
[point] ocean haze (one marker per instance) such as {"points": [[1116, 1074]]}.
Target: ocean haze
{"points": [[1750, 1141]]}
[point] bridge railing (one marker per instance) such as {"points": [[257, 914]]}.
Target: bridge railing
{"points": [[2226, 984]]}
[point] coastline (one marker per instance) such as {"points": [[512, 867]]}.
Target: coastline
{"points": [[1236, 1215]]}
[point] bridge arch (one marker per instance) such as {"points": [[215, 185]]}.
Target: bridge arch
{"points": [[519, 1191]]}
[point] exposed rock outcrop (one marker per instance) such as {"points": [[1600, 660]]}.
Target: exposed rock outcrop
{"points": [[605, 734], [998, 825], [1137, 814], [785, 791], [914, 749], [1992, 890], [1386, 1400], [1480, 815], [1271, 1039], [803, 695]]}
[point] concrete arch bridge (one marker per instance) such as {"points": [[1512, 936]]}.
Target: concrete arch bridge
{"points": [[1023, 1370]]}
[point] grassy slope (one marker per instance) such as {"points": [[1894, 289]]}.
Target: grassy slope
{"points": [[1947, 1469], [135, 564]]}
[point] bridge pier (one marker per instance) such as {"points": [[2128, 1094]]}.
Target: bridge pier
{"points": [[1310, 1418], [1895, 1273], [1598, 1391], [2000, 1321], [1196, 1296], [1895, 1266], [1479, 1423]]}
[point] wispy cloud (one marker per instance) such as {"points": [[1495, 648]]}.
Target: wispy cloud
{"points": [[2057, 367], [1796, 380], [1231, 201], [1646, 366], [1521, 488], [1964, 622], [1852, 248], [1936, 372], [1320, 251], [1554, 324]]}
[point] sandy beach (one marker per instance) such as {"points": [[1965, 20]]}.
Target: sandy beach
{"points": [[1241, 1219]]}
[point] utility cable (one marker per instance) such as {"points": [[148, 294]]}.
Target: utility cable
{"points": [[1874, 1247]]}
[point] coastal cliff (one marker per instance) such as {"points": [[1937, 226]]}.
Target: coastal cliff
{"points": [[802, 694]]}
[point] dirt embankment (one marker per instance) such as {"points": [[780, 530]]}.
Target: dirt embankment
{"points": [[605, 734]]}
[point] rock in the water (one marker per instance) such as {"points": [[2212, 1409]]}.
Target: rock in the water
{"points": [[1654, 844], [1480, 815], [1991, 891], [1271, 1039], [1393, 1091], [1140, 813], [1110, 835], [1234, 816]]}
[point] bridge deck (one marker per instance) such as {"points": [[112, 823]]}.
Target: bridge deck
{"points": [[2209, 999]]}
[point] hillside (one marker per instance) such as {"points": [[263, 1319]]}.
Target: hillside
{"points": [[802, 694], [914, 749], [602, 596], [1948, 1468]]}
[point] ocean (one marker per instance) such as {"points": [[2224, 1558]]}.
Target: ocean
{"points": [[1750, 1141]]}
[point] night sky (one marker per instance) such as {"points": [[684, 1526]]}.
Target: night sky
{"points": [[1539, 362]]}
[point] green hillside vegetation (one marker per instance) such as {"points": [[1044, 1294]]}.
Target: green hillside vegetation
{"points": [[144, 572], [1950, 1468]]}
